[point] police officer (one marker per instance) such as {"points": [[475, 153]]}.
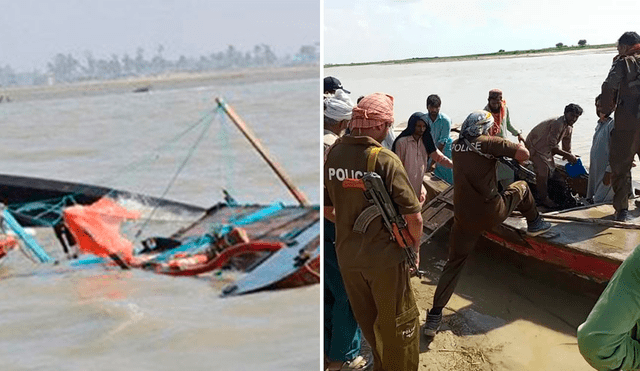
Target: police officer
{"points": [[374, 270], [623, 80], [478, 206]]}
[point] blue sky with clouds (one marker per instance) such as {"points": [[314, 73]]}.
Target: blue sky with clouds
{"points": [[33, 31], [375, 30]]}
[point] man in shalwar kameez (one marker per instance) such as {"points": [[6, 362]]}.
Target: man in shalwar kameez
{"points": [[502, 123], [599, 187]]}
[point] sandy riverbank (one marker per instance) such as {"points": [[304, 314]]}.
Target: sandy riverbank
{"points": [[159, 82], [509, 312]]}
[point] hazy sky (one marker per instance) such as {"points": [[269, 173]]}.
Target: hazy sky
{"points": [[32, 32], [375, 30]]}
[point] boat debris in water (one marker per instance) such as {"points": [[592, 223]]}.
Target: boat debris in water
{"points": [[272, 246]]}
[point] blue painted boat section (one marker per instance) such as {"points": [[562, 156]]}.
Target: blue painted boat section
{"points": [[257, 215], [278, 266], [29, 241], [87, 260], [191, 244], [197, 243]]}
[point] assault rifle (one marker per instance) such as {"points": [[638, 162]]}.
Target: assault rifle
{"points": [[520, 171], [376, 192]]}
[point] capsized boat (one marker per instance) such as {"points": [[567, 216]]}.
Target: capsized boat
{"points": [[274, 245], [246, 238]]}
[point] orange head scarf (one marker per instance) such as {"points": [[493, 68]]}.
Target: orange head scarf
{"points": [[373, 110]]}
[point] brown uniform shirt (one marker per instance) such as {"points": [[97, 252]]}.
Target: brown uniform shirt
{"points": [[623, 83], [348, 159], [546, 136], [477, 203]]}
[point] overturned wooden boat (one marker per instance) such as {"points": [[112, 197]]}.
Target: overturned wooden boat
{"points": [[584, 239], [273, 246], [246, 238], [36, 201]]}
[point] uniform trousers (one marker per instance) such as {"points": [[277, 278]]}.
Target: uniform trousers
{"points": [[624, 145], [464, 236], [384, 306]]}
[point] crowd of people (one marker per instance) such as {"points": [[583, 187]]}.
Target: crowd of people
{"points": [[367, 278]]}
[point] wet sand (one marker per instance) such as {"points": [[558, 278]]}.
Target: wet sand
{"points": [[508, 313], [171, 80]]}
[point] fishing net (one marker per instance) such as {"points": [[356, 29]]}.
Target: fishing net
{"points": [[173, 156]]}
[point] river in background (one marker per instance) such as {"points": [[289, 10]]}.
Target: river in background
{"points": [[536, 308], [100, 319], [535, 88]]}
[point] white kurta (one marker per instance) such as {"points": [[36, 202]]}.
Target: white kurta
{"points": [[599, 163]]}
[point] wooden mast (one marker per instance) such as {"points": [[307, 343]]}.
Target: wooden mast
{"points": [[298, 194]]}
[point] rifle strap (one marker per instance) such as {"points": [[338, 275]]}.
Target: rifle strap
{"points": [[372, 159], [371, 212], [474, 149]]}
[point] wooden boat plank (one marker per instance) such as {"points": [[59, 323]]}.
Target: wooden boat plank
{"points": [[607, 242], [286, 220], [278, 266], [437, 212]]}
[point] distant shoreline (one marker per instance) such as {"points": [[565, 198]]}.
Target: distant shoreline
{"points": [[498, 55], [158, 82]]}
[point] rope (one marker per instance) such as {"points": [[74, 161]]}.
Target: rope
{"points": [[207, 119], [53, 207], [178, 171], [50, 206]]}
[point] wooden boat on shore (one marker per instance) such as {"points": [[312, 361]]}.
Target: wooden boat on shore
{"points": [[583, 240]]}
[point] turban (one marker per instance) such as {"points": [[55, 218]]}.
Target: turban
{"points": [[338, 106], [373, 110], [494, 93], [476, 124]]}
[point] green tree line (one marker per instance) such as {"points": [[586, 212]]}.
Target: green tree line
{"points": [[69, 68]]}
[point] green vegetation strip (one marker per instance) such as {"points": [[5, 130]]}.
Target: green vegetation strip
{"points": [[480, 56]]}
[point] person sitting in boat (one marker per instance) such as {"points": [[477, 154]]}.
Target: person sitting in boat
{"points": [[478, 206], [440, 125], [543, 143], [502, 123], [599, 186], [415, 146]]}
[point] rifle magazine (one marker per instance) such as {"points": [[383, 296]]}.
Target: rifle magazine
{"points": [[365, 218]]}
